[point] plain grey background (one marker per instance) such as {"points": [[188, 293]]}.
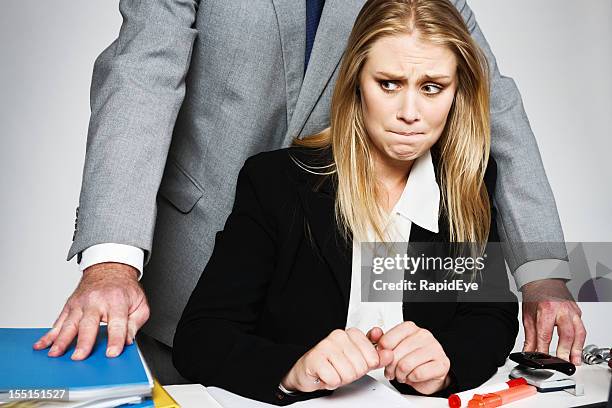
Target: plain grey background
{"points": [[558, 51]]}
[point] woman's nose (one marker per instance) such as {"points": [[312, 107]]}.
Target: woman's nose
{"points": [[408, 110]]}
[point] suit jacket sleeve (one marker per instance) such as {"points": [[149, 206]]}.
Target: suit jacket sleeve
{"points": [[215, 342], [527, 209], [137, 88]]}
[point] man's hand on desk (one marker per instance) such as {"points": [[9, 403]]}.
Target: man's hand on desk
{"points": [[548, 303], [339, 359], [108, 292]]}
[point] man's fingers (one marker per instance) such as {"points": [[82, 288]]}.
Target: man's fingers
{"points": [[136, 320], [539, 319], [68, 332], [579, 338], [565, 330], [130, 338], [102, 287], [530, 328], [88, 331], [117, 330], [545, 323], [49, 337]]}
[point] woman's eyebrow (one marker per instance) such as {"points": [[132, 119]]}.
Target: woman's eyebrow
{"points": [[400, 76], [391, 75], [435, 77]]}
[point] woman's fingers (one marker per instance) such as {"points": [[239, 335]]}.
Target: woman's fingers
{"points": [[385, 357], [417, 339], [319, 374], [391, 339], [414, 365], [341, 358], [340, 352], [349, 353], [365, 348], [418, 358], [429, 377], [374, 334], [328, 377]]}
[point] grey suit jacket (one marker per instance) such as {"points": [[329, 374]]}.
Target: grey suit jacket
{"points": [[190, 89]]}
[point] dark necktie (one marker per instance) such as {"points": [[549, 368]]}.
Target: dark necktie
{"points": [[313, 15]]}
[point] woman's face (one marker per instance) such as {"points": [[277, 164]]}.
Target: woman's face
{"points": [[407, 88]]}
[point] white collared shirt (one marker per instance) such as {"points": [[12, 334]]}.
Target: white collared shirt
{"points": [[419, 204]]}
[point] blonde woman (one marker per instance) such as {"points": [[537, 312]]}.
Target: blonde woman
{"points": [[276, 315]]}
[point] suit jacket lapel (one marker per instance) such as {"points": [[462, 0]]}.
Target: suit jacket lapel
{"points": [[420, 234], [423, 241], [291, 16], [334, 28], [318, 204], [319, 211], [320, 214]]}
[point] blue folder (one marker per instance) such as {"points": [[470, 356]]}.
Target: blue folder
{"points": [[23, 367], [148, 403]]}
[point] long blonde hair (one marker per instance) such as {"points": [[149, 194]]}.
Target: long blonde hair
{"points": [[463, 147]]}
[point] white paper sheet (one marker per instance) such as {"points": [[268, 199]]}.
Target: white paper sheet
{"points": [[363, 393], [192, 396]]}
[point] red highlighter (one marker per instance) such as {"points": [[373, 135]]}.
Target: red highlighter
{"points": [[499, 398], [462, 398]]}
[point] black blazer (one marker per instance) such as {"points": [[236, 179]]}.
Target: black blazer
{"points": [[278, 282]]}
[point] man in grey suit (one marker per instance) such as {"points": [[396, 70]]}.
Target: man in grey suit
{"points": [[185, 94]]}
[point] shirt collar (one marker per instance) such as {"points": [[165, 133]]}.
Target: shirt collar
{"points": [[420, 200]]}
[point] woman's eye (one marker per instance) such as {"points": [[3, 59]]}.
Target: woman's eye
{"points": [[389, 86], [432, 89]]}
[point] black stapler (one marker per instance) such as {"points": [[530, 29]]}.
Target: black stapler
{"points": [[545, 372], [543, 361]]}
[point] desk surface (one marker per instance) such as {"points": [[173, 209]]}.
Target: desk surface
{"points": [[596, 380]]}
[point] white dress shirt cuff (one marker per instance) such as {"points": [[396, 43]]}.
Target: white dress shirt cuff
{"points": [[110, 252], [542, 269]]}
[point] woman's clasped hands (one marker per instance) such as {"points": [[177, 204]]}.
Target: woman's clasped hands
{"points": [[418, 358], [409, 354]]}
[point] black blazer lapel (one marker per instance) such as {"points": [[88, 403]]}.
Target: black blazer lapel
{"points": [[436, 312], [318, 204], [317, 195]]}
